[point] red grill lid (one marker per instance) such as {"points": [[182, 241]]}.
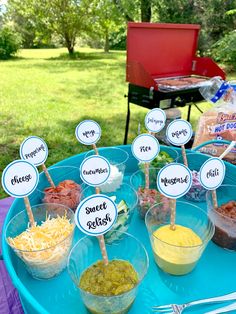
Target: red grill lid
{"points": [[163, 50]]}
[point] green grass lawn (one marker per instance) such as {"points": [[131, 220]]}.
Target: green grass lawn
{"points": [[44, 93]]}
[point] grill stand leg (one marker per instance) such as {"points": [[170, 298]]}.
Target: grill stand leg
{"points": [[198, 108], [189, 112], [127, 122]]}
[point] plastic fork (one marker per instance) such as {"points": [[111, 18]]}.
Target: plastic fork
{"points": [[179, 308], [228, 308]]}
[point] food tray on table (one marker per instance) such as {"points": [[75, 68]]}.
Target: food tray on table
{"points": [[214, 275]]}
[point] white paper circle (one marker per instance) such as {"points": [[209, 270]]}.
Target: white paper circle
{"points": [[212, 173], [145, 147], [155, 120], [96, 214], [34, 150], [88, 132], [179, 132], [95, 170], [20, 178], [174, 180]]}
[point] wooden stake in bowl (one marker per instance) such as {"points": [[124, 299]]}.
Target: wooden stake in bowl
{"points": [[184, 155], [15, 184], [34, 149], [172, 214], [214, 195], [45, 170], [29, 211], [178, 133], [174, 180], [88, 132], [101, 237]]}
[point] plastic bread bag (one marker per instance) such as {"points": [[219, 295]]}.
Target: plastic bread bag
{"points": [[218, 123]]}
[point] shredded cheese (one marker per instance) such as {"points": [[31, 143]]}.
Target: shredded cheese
{"points": [[40, 237], [45, 248]]}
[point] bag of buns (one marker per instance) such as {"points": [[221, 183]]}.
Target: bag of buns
{"points": [[218, 123]]}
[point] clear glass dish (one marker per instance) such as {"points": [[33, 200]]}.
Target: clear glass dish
{"points": [[179, 259], [126, 199], [197, 192], [146, 197], [118, 158], [42, 263], [68, 187], [225, 218], [86, 252]]}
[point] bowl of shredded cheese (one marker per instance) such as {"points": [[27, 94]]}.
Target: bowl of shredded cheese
{"points": [[44, 247]]}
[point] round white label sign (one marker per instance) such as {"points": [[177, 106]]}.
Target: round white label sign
{"points": [[212, 173], [155, 120], [95, 170], [20, 178], [145, 147], [88, 132], [96, 214], [174, 180], [34, 150], [179, 132]]}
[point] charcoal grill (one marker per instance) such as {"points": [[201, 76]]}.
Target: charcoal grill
{"points": [[162, 63]]}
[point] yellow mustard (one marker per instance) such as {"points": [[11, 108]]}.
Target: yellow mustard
{"points": [[176, 251]]}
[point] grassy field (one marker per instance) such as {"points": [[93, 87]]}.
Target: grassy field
{"points": [[44, 93]]}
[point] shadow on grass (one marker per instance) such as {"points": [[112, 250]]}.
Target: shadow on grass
{"points": [[61, 66], [112, 55], [13, 58]]}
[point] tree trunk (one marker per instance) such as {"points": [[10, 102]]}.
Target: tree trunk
{"points": [[70, 50], [106, 46], [123, 11], [146, 10], [70, 43]]}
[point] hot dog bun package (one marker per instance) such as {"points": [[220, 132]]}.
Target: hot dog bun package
{"points": [[218, 123]]}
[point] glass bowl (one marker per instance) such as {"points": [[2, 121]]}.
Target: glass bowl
{"points": [[178, 259], [159, 162], [224, 218], [68, 187], [197, 193], [86, 252], [118, 158], [147, 197], [126, 199], [42, 263], [162, 158]]}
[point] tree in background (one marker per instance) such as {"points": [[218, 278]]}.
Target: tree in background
{"points": [[9, 43], [66, 18], [146, 10], [105, 19], [211, 15]]}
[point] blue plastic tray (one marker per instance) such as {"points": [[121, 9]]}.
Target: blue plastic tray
{"points": [[214, 275]]}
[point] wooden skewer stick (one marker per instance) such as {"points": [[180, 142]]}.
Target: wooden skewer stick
{"points": [[147, 183], [102, 242], [184, 155], [45, 170], [214, 195], [101, 237], [214, 199], [103, 249], [172, 214], [95, 149], [29, 211]]}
